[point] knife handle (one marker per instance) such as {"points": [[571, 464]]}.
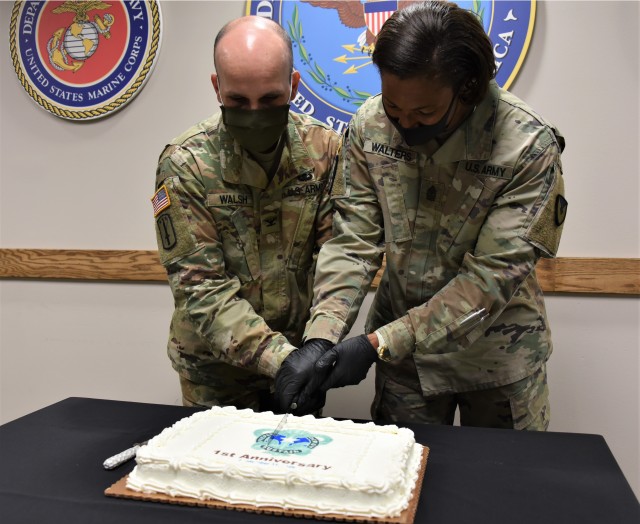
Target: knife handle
{"points": [[120, 458]]}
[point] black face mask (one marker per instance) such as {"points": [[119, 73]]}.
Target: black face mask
{"points": [[415, 136]]}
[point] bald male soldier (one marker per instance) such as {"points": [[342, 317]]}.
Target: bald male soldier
{"points": [[241, 210]]}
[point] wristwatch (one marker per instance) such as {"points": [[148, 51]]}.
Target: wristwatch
{"points": [[383, 349]]}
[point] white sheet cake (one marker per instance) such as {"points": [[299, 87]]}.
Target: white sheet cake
{"points": [[321, 465]]}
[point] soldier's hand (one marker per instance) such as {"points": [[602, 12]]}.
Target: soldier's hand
{"points": [[347, 363], [297, 373]]}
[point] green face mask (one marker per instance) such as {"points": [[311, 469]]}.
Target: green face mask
{"points": [[256, 129]]}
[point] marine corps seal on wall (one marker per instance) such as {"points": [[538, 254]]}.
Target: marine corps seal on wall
{"points": [[84, 59], [333, 42]]}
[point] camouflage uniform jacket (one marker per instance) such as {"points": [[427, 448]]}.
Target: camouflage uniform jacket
{"points": [[239, 250], [462, 226]]}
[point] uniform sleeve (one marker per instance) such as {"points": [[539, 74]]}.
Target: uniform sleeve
{"points": [[524, 222], [347, 262], [191, 251], [324, 216]]}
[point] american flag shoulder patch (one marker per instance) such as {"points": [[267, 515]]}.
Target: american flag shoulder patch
{"points": [[160, 200]]}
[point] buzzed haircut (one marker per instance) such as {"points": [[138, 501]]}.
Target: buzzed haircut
{"points": [[277, 29], [437, 40]]}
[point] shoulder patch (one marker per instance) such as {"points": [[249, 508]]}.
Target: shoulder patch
{"points": [[546, 227], [173, 232], [166, 232], [160, 200], [561, 210]]}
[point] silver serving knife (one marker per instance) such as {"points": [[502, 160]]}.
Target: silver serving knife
{"points": [[123, 456], [279, 427]]}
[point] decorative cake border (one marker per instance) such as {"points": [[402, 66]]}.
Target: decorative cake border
{"points": [[120, 490]]}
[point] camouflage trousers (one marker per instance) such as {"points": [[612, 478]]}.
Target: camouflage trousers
{"points": [[203, 395], [522, 405]]}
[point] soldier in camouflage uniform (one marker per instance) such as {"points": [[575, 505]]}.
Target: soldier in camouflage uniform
{"points": [[459, 184], [241, 209]]}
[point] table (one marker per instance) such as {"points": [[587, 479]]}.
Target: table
{"points": [[51, 471]]}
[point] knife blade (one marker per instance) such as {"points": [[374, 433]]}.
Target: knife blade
{"points": [[279, 427], [122, 457]]}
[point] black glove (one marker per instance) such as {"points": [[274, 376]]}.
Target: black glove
{"points": [[296, 372], [348, 362]]}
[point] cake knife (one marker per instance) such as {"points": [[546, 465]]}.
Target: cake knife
{"points": [[123, 456], [279, 427]]}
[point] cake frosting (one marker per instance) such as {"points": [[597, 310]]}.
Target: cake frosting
{"points": [[316, 464]]}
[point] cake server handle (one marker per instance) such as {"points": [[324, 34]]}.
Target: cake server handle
{"points": [[122, 457]]}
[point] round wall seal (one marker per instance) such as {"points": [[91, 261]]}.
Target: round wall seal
{"points": [[333, 42], [82, 60]]}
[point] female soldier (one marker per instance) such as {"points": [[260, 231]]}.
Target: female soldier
{"points": [[459, 184]]}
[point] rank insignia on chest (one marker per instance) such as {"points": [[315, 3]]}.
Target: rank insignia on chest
{"points": [[160, 201]]}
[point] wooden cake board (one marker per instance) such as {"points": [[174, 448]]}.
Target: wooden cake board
{"points": [[120, 490]]}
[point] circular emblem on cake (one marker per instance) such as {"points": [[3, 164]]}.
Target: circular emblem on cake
{"points": [[288, 441], [333, 42], [82, 60]]}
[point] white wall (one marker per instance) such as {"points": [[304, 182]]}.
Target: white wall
{"points": [[107, 340]]}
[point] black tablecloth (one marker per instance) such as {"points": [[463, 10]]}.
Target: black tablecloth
{"points": [[51, 471]]}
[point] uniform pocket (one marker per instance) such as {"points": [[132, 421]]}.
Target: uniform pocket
{"points": [[299, 216], [464, 213], [391, 196], [234, 226], [248, 241]]}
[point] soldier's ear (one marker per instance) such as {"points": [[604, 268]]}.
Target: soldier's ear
{"points": [[468, 90], [216, 87], [295, 80]]}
